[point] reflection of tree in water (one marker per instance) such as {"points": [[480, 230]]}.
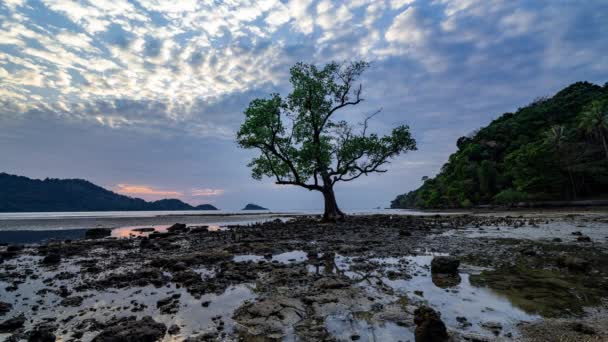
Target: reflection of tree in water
{"points": [[327, 260], [330, 262], [446, 280]]}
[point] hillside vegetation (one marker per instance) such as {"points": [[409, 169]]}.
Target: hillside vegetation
{"points": [[552, 149], [22, 194]]}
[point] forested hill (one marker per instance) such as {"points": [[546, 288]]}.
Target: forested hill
{"points": [[550, 150], [22, 194]]}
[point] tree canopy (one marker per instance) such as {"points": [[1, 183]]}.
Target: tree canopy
{"points": [[553, 149], [300, 141]]}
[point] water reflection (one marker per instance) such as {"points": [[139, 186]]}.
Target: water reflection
{"points": [[144, 231], [457, 298], [445, 281]]}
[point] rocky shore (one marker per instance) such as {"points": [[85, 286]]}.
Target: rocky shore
{"points": [[369, 278]]}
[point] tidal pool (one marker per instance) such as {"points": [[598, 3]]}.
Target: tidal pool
{"points": [[40, 301], [285, 258], [566, 230], [464, 308]]}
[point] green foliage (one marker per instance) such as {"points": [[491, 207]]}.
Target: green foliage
{"points": [[553, 149], [510, 196], [300, 142]]}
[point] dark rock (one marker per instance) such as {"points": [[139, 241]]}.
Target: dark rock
{"points": [[429, 326], [445, 264], [573, 263], [557, 240], [174, 329], [169, 305], [583, 328], [97, 233], [129, 329], [158, 235], [5, 308], [14, 248], [72, 301], [331, 283], [51, 259], [178, 227], [404, 232], [583, 238], [494, 327], [577, 233], [42, 333], [144, 230], [12, 324]]}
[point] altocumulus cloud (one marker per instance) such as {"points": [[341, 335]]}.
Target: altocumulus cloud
{"points": [[155, 64], [207, 192], [189, 68]]}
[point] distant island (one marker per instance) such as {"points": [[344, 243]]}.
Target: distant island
{"points": [[554, 149], [252, 206], [22, 194]]}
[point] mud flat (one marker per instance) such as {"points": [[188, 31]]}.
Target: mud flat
{"points": [[534, 277]]}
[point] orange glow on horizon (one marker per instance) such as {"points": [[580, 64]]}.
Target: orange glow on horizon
{"points": [[144, 190]]}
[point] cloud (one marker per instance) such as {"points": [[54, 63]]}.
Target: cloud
{"points": [[160, 67], [407, 28], [207, 192], [144, 190]]}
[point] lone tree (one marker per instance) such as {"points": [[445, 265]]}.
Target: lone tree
{"points": [[301, 143]]}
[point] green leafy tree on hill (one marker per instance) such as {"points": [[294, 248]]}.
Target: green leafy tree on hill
{"points": [[595, 121], [553, 149]]}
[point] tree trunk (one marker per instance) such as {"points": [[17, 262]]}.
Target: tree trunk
{"points": [[332, 212], [573, 183], [603, 137]]}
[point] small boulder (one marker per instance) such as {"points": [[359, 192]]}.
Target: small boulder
{"points": [[404, 232], [445, 265], [174, 329], [583, 238], [51, 259], [5, 308], [178, 227], [97, 233], [494, 327], [12, 324], [42, 333], [583, 328], [573, 263], [429, 326], [72, 301]]}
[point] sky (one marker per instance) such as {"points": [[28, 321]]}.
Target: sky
{"points": [[144, 97]]}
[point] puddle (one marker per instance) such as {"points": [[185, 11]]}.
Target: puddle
{"points": [[284, 258], [193, 317], [348, 328], [144, 231], [458, 298], [411, 281], [561, 229]]}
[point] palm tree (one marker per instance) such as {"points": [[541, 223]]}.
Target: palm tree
{"points": [[595, 121], [556, 136]]}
